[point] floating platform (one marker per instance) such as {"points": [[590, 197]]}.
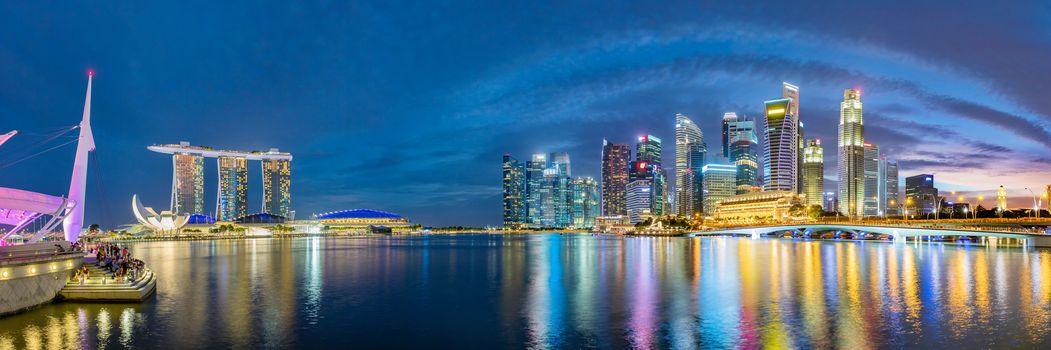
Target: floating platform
{"points": [[101, 287]]}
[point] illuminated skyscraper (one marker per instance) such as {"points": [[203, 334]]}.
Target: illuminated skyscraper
{"points": [[514, 185], [851, 186], [789, 91], [187, 184], [920, 194], [814, 172], [277, 182], [534, 183], [743, 154], [233, 188], [648, 149], [729, 120], [639, 196], [781, 147], [585, 202], [689, 157], [892, 200], [873, 182], [719, 182], [615, 159]]}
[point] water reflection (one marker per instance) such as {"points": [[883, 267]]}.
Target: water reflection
{"points": [[564, 291]]}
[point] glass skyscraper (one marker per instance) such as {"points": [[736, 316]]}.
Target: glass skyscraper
{"points": [[920, 191], [534, 182], [781, 149], [585, 202], [873, 182], [814, 173], [514, 185], [277, 182], [233, 188], [648, 149], [615, 159], [851, 186], [639, 196], [743, 145], [890, 200], [719, 182], [187, 184], [689, 158], [789, 91]]}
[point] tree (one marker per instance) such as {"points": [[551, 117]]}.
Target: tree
{"points": [[94, 228], [797, 210]]}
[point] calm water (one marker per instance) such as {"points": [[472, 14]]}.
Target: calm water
{"points": [[572, 291]]}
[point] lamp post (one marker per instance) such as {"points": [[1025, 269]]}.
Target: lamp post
{"points": [[1035, 206], [908, 202]]}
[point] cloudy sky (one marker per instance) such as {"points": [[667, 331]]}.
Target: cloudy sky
{"points": [[408, 107]]}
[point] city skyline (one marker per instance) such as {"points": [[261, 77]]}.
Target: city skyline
{"points": [[935, 108]]}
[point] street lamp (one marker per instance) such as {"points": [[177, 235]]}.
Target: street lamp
{"points": [[976, 205], [908, 202]]}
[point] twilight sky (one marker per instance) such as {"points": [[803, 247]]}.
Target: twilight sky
{"points": [[408, 107]]}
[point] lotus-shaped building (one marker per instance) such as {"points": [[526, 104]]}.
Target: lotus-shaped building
{"points": [[165, 223]]}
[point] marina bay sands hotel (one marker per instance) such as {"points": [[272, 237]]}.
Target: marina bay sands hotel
{"points": [[232, 201]]}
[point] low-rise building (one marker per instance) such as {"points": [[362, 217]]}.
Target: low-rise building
{"points": [[758, 206]]}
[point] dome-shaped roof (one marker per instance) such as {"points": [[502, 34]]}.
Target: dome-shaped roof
{"points": [[359, 214]]}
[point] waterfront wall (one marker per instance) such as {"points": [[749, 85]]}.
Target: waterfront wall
{"points": [[26, 283]]}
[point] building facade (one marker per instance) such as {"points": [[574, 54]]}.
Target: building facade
{"points": [[719, 182], [781, 147], [893, 195], [585, 202], [851, 186], [689, 157], [814, 173], [875, 183], [534, 183], [758, 206], [277, 186], [639, 196], [514, 184], [233, 188], [615, 159], [1001, 199], [920, 195], [791, 92], [187, 184]]}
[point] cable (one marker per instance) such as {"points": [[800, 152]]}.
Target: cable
{"points": [[2, 166]]}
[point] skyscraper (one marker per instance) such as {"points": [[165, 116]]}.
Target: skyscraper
{"points": [[638, 196], [648, 149], [560, 161], [187, 184], [585, 202], [720, 182], [814, 173], [851, 186], [729, 120], [514, 185], [534, 185], [277, 182], [873, 182], [233, 188], [781, 147], [790, 91], [614, 178], [743, 154], [920, 194], [893, 196], [689, 151]]}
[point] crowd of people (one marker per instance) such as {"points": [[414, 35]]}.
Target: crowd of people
{"points": [[112, 259]]}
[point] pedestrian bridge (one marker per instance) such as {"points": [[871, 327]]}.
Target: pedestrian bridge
{"points": [[895, 233]]}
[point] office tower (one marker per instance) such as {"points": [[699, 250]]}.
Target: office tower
{"points": [[814, 173], [743, 154], [534, 188], [781, 148], [920, 194], [233, 188], [648, 149], [514, 191], [689, 155], [277, 182], [187, 184], [614, 178], [729, 120], [585, 202], [659, 202], [719, 182], [789, 91], [638, 197], [892, 201], [560, 161], [872, 183], [851, 186], [830, 202], [1001, 199]]}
